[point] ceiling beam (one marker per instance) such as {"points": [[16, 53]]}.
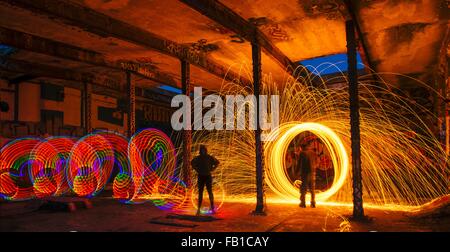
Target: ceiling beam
{"points": [[226, 17], [20, 78], [103, 25], [29, 42], [349, 13], [41, 70]]}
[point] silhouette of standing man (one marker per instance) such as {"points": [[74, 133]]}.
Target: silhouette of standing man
{"points": [[204, 164], [307, 166]]}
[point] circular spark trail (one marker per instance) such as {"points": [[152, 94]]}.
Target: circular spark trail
{"points": [[276, 151], [403, 163]]}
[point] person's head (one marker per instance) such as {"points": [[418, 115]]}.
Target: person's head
{"points": [[305, 145], [203, 150]]}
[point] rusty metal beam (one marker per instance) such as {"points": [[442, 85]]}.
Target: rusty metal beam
{"points": [[86, 104], [226, 17], [358, 210], [103, 25], [259, 148], [16, 103], [40, 70], [131, 108], [21, 78], [441, 81], [187, 134], [29, 42]]}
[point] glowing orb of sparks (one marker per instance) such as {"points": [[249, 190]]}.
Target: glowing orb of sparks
{"points": [[275, 153]]}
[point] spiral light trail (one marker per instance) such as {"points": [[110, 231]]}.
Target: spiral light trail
{"points": [[15, 183], [48, 169]]}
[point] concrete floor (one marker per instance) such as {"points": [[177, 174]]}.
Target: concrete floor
{"points": [[110, 215]]}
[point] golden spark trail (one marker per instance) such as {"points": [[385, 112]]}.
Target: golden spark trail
{"points": [[275, 152], [403, 164]]}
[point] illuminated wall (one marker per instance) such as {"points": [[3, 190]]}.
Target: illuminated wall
{"points": [[33, 106], [71, 106], [29, 102], [108, 102]]}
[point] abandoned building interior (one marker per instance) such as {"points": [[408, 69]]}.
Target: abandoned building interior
{"points": [[73, 67]]}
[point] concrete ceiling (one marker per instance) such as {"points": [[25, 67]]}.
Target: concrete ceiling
{"points": [[404, 36], [401, 36]]}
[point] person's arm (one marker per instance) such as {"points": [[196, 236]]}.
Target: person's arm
{"points": [[215, 163], [294, 171]]}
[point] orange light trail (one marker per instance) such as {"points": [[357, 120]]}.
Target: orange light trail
{"points": [[403, 163], [275, 153]]}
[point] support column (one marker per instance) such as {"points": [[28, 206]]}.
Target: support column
{"points": [[256, 59], [16, 102], [187, 134], [443, 115], [131, 93], [358, 211], [82, 108], [445, 108], [442, 87], [86, 115]]}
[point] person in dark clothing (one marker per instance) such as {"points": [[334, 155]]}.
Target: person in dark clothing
{"points": [[204, 164], [306, 164]]}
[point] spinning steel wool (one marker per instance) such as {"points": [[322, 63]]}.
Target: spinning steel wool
{"points": [[402, 162]]}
